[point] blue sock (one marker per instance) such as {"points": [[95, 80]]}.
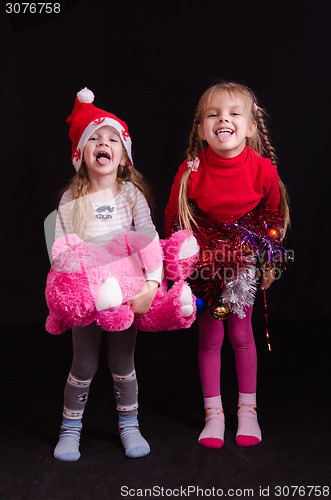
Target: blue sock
{"points": [[134, 444], [67, 448]]}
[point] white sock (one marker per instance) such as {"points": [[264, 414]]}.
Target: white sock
{"points": [[249, 432], [212, 435]]}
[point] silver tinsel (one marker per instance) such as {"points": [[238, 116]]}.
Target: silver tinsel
{"points": [[239, 292]]}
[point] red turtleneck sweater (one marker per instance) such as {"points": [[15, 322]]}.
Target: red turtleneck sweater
{"points": [[227, 188]]}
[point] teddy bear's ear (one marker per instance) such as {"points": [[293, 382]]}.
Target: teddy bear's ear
{"points": [[65, 244]]}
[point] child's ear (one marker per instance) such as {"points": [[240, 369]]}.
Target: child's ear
{"points": [[251, 129]]}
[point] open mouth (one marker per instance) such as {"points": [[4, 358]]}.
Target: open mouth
{"points": [[103, 158], [224, 134]]}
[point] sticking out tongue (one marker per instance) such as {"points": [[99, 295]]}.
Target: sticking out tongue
{"points": [[103, 159], [224, 136]]}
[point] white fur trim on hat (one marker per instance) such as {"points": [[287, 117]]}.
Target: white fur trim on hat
{"points": [[90, 129]]}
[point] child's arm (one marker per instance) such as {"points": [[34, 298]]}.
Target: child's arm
{"points": [[268, 277], [142, 221], [271, 194], [141, 303]]}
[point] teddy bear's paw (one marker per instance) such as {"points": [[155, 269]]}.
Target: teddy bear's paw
{"points": [[54, 326], [115, 321], [189, 248], [110, 295], [186, 299]]}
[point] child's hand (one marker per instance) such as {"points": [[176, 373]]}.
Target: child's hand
{"points": [[268, 278], [141, 303]]}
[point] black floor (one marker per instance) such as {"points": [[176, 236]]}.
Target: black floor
{"points": [[294, 412]]}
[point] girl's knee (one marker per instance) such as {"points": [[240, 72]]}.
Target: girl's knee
{"points": [[243, 339], [85, 370]]}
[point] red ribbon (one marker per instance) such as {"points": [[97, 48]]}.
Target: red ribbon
{"points": [[266, 319]]}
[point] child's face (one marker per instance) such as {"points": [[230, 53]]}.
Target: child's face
{"points": [[226, 123], [103, 152]]}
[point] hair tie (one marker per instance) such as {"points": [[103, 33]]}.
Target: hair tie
{"points": [[193, 165], [255, 105]]}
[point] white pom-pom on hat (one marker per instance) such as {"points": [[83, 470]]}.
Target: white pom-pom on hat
{"points": [[85, 95]]}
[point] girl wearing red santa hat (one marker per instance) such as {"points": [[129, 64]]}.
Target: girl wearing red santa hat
{"points": [[106, 196]]}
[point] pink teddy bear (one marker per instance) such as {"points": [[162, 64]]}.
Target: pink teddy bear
{"points": [[88, 283]]}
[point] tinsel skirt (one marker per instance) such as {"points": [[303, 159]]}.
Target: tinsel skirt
{"points": [[233, 255]]}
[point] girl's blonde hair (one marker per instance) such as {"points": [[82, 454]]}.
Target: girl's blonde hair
{"points": [[259, 141], [81, 212]]}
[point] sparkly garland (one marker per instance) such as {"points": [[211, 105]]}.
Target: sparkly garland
{"points": [[232, 253]]}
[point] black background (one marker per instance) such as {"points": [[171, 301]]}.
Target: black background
{"points": [[149, 63]]}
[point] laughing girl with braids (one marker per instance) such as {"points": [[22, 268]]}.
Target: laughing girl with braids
{"points": [[229, 194]]}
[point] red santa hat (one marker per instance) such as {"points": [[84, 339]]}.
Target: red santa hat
{"points": [[85, 119]]}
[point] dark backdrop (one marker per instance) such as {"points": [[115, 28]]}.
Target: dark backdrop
{"points": [[148, 63]]}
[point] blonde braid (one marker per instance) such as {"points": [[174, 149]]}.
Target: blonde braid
{"points": [[263, 137], [268, 149], [195, 145], [195, 142]]}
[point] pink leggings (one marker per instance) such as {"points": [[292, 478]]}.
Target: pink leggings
{"points": [[211, 335]]}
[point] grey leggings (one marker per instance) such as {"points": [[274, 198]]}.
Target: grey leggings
{"points": [[86, 348]]}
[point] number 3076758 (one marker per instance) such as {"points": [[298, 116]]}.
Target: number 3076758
{"points": [[33, 8]]}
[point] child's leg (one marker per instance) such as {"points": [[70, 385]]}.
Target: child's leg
{"points": [[241, 336], [242, 340], [211, 335], [86, 343], [121, 347]]}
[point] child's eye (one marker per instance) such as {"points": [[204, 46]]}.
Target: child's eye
{"points": [[93, 139], [212, 115]]}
